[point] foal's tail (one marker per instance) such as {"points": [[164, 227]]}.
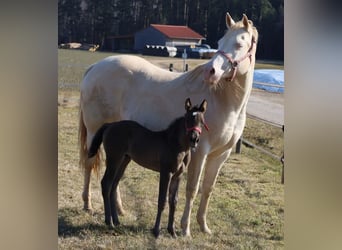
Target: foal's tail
{"points": [[97, 140]]}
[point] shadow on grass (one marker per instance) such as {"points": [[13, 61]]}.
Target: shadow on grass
{"points": [[74, 222]]}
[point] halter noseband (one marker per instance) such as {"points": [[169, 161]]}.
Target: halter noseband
{"points": [[196, 128], [235, 63]]}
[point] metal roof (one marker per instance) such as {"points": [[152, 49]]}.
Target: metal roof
{"points": [[175, 31]]}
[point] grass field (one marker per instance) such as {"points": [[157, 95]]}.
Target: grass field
{"points": [[246, 210]]}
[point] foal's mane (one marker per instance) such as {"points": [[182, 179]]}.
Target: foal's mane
{"points": [[173, 127]]}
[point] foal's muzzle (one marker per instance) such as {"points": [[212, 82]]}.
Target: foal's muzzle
{"points": [[194, 139]]}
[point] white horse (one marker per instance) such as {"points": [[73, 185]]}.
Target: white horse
{"points": [[129, 87]]}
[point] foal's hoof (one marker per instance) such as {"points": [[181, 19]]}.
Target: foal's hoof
{"points": [[155, 232]]}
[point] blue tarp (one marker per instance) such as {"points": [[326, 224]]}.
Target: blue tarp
{"points": [[270, 76]]}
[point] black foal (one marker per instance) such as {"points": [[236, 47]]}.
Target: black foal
{"points": [[167, 151]]}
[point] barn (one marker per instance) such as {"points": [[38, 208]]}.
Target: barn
{"points": [[166, 35]]}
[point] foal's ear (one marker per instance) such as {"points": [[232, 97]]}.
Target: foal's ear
{"points": [[203, 106], [187, 104]]}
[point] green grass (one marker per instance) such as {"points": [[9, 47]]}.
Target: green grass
{"points": [[246, 210]]}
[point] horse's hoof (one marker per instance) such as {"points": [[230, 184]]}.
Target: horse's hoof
{"points": [[206, 230], [186, 233], [109, 224], [89, 211], [116, 223], [121, 212], [174, 235], [172, 232]]}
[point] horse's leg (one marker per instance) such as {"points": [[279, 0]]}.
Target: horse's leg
{"points": [[164, 183], [88, 167], [214, 163], [118, 202], [173, 199], [113, 196], [194, 172], [86, 195]]}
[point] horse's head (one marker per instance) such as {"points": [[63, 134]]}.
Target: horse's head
{"points": [[194, 120], [236, 51]]}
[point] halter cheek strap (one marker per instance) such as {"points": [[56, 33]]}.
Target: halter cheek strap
{"points": [[235, 63]]}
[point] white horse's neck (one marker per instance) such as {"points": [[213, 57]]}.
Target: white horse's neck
{"points": [[233, 95], [238, 91]]}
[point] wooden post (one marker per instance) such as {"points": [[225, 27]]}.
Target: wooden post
{"points": [[171, 67], [238, 146]]}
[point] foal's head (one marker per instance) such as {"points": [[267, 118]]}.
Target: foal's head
{"points": [[194, 119]]}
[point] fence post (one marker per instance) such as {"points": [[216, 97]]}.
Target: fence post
{"points": [[238, 146]]}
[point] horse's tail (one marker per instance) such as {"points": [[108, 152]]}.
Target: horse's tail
{"points": [[96, 142], [83, 150]]}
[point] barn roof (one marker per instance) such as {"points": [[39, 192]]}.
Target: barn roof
{"points": [[175, 31]]}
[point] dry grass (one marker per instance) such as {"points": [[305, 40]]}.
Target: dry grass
{"points": [[246, 210]]}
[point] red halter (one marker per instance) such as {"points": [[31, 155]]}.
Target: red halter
{"points": [[197, 128], [235, 63]]}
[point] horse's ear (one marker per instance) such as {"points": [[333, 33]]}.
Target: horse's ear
{"points": [[245, 21], [187, 104], [203, 106], [229, 21]]}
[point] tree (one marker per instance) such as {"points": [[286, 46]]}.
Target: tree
{"points": [[91, 21]]}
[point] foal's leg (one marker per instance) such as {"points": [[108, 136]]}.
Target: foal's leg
{"points": [[113, 196], [173, 199], [164, 183], [106, 184], [213, 166]]}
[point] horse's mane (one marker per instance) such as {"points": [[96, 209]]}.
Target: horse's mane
{"points": [[192, 74], [193, 79]]}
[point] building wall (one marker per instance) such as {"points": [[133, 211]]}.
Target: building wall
{"points": [[182, 42], [148, 36]]}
